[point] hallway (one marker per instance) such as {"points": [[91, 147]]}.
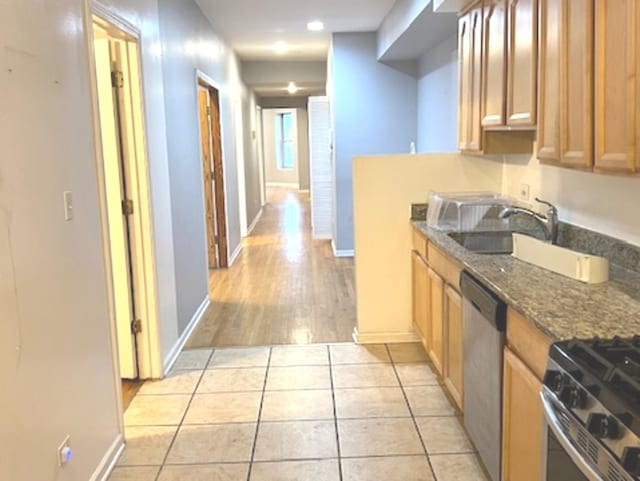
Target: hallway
{"points": [[284, 288]]}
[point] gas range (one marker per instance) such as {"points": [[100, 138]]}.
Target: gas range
{"points": [[592, 395]]}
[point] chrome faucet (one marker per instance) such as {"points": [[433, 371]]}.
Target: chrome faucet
{"points": [[549, 223]]}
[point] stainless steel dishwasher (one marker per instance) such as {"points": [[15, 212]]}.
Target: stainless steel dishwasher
{"points": [[484, 321]]}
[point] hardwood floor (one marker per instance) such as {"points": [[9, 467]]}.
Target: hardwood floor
{"points": [[285, 287], [129, 391]]}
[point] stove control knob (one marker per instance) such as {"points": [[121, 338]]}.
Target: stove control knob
{"points": [[554, 380], [631, 461], [573, 397], [603, 426]]}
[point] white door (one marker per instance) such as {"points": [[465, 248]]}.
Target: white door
{"points": [[320, 168]]}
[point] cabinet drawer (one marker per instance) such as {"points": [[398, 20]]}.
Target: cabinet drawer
{"points": [[531, 345], [419, 243], [444, 266]]}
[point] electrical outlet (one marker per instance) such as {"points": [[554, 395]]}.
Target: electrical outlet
{"points": [[68, 205], [64, 452], [525, 192]]}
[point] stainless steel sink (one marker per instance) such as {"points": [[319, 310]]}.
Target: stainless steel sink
{"points": [[490, 242]]}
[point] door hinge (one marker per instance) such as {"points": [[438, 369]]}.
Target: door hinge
{"points": [[127, 207], [136, 326], [117, 79], [216, 240], [209, 111]]}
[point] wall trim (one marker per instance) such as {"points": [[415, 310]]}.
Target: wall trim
{"points": [[234, 255], [292, 185], [343, 252], [170, 360], [255, 221], [383, 337], [304, 191], [108, 462]]}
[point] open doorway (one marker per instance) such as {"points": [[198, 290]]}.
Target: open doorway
{"points": [[213, 174], [125, 201]]}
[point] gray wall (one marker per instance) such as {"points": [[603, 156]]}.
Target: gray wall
{"points": [[259, 72], [374, 110], [303, 149], [251, 158], [438, 98], [291, 102], [189, 42]]}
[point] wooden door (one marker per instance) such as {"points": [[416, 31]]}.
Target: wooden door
{"points": [[464, 99], [616, 111], [420, 292], [454, 342], [436, 301], [218, 178], [207, 167], [494, 63], [522, 65], [522, 422]]}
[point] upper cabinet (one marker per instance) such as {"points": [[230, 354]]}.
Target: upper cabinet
{"points": [[470, 57], [565, 122], [494, 102], [617, 86], [522, 63]]}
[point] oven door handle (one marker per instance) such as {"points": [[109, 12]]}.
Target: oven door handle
{"points": [[554, 424]]}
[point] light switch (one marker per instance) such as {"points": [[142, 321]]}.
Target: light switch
{"points": [[68, 205]]}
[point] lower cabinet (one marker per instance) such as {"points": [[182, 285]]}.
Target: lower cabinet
{"points": [[420, 293], [436, 301], [521, 423], [453, 374]]}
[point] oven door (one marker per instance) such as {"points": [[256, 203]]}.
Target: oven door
{"points": [[562, 461]]}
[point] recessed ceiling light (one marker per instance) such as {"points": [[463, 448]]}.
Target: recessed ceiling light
{"points": [[316, 26], [292, 88], [280, 47]]}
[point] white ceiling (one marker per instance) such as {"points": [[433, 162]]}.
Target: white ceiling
{"points": [[252, 27]]}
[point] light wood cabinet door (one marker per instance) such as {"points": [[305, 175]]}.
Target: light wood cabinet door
{"points": [[565, 102], [616, 84], [494, 71], [470, 83], [453, 367], [436, 301], [522, 422], [522, 63], [420, 295]]}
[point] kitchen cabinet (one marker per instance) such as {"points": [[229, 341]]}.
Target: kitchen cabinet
{"points": [[522, 62], [494, 63], [436, 301], [420, 293], [522, 422], [453, 376], [617, 85], [470, 58], [565, 100]]}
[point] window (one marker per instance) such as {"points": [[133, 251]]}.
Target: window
{"points": [[284, 141]]}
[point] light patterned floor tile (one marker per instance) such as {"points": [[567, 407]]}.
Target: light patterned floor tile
{"points": [[148, 473], [297, 405], [176, 382], [156, 410], [458, 467], [296, 440], [214, 472], [378, 437], [444, 435], [220, 443], [193, 359], [237, 407], [240, 357], [146, 445], [416, 374], [409, 352], [296, 378], [350, 353], [375, 402], [233, 380], [429, 401], [364, 375], [322, 470], [312, 355], [401, 468]]}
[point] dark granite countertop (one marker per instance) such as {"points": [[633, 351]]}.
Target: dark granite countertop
{"points": [[560, 307]]}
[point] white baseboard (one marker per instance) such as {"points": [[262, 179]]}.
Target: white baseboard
{"points": [[291, 185], [255, 221], [304, 191], [341, 253], [103, 471], [383, 337], [170, 360], [234, 255]]}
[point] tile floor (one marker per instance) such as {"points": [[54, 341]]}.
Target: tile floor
{"points": [[337, 412]]}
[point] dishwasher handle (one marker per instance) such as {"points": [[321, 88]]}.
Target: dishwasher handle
{"points": [[492, 308]]}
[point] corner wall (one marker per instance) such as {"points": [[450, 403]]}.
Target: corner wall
{"points": [[374, 110]]}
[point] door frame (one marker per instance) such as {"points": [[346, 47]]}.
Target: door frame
{"points": [[204, 81], [150, 363]]}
